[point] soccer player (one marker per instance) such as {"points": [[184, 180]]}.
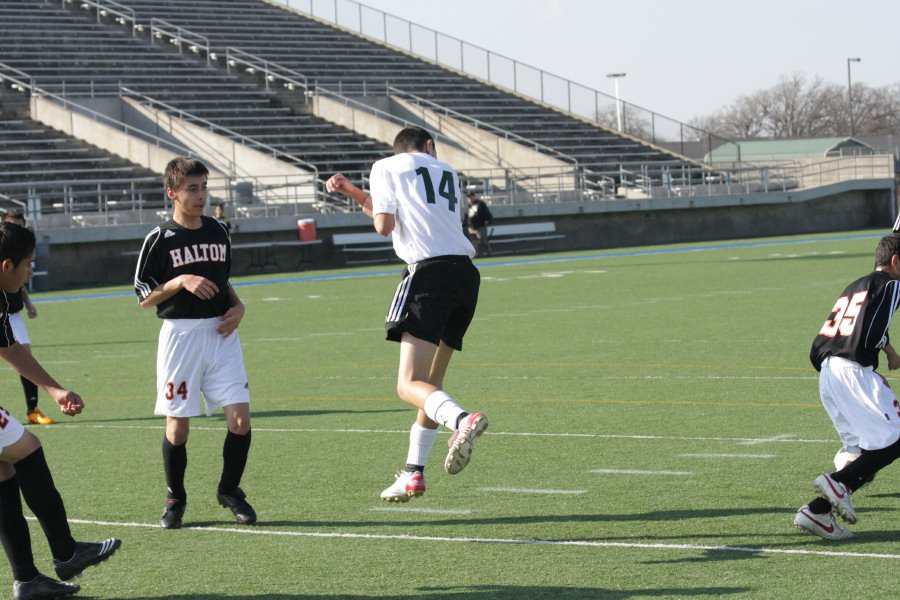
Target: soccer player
{"points": [[23, 467], [183, 271], [859, 401], [414, 196], [16, 302], [477, 218]]}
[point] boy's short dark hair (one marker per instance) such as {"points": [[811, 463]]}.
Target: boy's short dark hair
{"points": [[888, 246], [180, 169], [14, 214], [16, 242], [411, 139]]}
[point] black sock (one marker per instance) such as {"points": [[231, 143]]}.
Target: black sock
{"points": [[44, 500], [175, 464], [14, 532], [412, 468], [820, 506], [862, 470], [234, 459], [31, 393]]}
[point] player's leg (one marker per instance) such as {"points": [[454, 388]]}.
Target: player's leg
{"points": [[28, 387], [225, 386], [26, 456], [234, 460]]}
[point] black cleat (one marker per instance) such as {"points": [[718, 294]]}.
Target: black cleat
{"points": [[237, 502], [87, 554], [172, 514], [42, 587]]}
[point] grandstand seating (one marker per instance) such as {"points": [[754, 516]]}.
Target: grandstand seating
{"points": [[67, 52], [64, 174], [351, 64]]}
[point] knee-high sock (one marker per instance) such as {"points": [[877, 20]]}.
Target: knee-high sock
{"points": [[44, 500], [31, 393], [14, 532], [175, 464], [441, 408], [421, 440], [234, 459], [863, 469]]}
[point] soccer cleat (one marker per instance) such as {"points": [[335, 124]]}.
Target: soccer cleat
{"points": [[237, 502], [823, 526], [38, 418], [87, 554], [173, 513], [463, 441], [837, 495], [42, 587], [408, 485]]}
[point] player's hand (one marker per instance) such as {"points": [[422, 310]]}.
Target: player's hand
{"points": [[338, 184], [32, 311], [893, 361], [231, 319], [69, 403], [199, 286]]}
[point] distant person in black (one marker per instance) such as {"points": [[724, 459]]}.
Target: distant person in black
{"points": [[864, 410], [17, 302], [183, 272], [476, 220], [219, 214]]}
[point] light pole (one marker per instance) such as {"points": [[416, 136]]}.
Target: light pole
{"points": [[615, 77], [850, 93]]}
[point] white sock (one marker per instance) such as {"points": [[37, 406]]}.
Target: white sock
{"points": [[421, 439], [440, 407]]}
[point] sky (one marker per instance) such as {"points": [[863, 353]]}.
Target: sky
{"points": [[682, 58]]}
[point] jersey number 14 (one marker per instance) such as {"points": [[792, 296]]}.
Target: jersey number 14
{"points": [[446, 188], [844, 316]]}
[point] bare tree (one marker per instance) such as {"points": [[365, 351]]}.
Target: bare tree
{"points": [[800, 107]]}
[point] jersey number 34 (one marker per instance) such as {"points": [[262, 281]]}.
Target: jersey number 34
{"points": [[844, 315]]}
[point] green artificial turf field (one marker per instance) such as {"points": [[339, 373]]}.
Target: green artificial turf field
{"points": [[655, 424]]}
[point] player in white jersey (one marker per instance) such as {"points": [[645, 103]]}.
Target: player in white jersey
{"points": [[183, 271], [864, 410], [416, 197]]}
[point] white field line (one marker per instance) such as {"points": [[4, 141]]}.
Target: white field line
{"points": [[637, 472], [726, 455], [783, 439], [429, 511], [423, 538], [509, 490]]}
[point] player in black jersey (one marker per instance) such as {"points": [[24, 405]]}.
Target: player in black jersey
{"points": [[23, 468], [859, 401], [19, 301], [183, 271]]}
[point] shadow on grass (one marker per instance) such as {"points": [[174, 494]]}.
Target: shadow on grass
{"points": [[218, 417], [484, 592]]}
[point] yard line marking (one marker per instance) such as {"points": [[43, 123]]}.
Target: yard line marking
{"points": [[430, 511], [778, 438], [726, 455], [638, 472], [512, 541], [781, 439], [510, 490]]}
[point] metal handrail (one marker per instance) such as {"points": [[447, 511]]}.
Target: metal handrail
{"points": [[270, 70], [104, 8], [179, 36]]}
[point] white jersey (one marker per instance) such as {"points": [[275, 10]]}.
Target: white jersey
{"points": [[424, 196]]}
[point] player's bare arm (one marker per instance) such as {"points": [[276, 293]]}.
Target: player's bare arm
{"points": [[199, 286], [339, 184], [892, 356], [27, 366], [29, 307], [232, 317]]}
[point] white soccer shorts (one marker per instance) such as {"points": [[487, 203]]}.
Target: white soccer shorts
{"points": [[194, 359], [862, 407], [18, 327], [11, 430]]}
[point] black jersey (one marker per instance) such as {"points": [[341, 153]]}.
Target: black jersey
{"points": [[857, 326], [6, 334], [15, 302], [171, 250]]}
